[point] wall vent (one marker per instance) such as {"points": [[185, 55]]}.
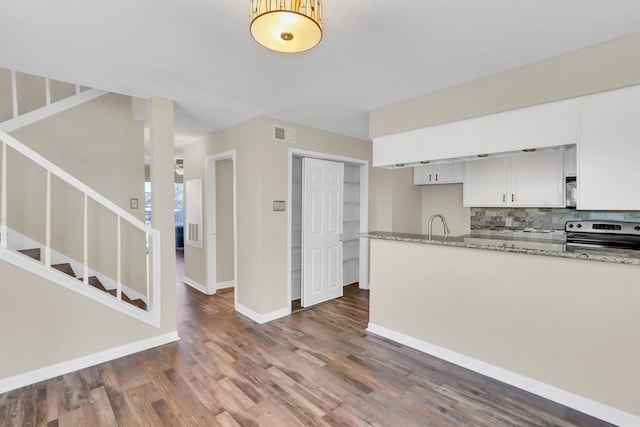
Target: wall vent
{"points": [[283, 134]]}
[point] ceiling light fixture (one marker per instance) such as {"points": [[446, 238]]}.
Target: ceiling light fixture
{"points": [[286, 25]]}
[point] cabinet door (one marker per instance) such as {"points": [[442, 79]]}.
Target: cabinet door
{"points": [[443, 173], [609, 151], [451, 140], [545, 125], [405, 147], [570, 161], [485, 182], [537, 180]]}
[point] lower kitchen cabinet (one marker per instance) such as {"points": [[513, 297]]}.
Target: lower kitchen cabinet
{"points": [[523, 180], [443, 173]]}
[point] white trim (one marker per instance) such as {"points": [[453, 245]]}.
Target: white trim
{"points": [[62, 368], [198, 286], [226, 285], [14, 93], [363, 275], [563, 397], [49, 110], [263, 318]]}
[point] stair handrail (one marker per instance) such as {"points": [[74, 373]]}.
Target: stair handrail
{"points": [[51, 168]]}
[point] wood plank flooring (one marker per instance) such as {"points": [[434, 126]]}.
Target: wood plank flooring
{"points": [[317, 367]]}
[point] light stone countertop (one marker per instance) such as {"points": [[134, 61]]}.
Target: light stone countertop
{"points": [[546, 244]]}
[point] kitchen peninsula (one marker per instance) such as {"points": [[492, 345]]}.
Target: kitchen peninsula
{"points": [[562, 324]]}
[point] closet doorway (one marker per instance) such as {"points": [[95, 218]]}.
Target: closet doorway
{"points": [[354, 206]]}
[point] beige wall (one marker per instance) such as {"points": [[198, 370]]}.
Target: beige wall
{"points": [[396, 203], [100, 144], [262, 176], [6, 95], [445, 199], [224, 221], [43, 324], [571, 324], [597, 68]]}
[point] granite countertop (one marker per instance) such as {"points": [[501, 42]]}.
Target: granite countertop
{"points": [[532, 243]]}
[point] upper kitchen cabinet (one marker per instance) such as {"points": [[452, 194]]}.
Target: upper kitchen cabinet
{"points": [[441, 173], [451, 140], [609, 151], [399, 148], [485, 182], [523, 180], [570, 161], [545, 125], [537, 180]]}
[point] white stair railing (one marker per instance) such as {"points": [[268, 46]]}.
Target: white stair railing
{"points": [[49, 108], [152, 314]]}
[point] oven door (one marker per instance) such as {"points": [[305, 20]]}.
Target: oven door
{"points": [[602, 240]]}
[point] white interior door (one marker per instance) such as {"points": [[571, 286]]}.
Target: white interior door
{"points": [[321, 230]]}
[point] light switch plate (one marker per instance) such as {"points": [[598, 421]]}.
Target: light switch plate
{"points": [[278, 205]]}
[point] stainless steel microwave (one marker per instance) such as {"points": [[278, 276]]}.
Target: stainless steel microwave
{"points": [[571, 192]]}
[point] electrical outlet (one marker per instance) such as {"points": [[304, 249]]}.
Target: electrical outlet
{"points": [[508, 222]]}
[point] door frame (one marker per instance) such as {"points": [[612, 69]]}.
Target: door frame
{"points": [[363, 268], [210, 218]]}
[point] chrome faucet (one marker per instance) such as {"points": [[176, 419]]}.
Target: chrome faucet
{"points": [[444, 223]]}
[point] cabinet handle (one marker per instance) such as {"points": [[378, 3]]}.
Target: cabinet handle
{"points": [[504, 197], [513, 198], [429, 177], [436, 177]]}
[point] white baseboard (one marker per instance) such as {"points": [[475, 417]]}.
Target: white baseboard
{"points": [[198, 286], [206, 290], [226, 285], [58, 369], [262, 318], [579, 403]]}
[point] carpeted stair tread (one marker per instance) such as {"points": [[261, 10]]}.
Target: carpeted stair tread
{"points": [[65, 268], [33, 253]]}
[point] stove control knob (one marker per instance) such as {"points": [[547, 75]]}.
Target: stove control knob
{"points": [[570, 225], [579, 225], [637, 228]]}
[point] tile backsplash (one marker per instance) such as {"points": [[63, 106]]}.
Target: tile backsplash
{"points": [[541, 218]]}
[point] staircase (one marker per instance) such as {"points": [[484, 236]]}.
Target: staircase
{"points": [[126, 238], [93, 281]]}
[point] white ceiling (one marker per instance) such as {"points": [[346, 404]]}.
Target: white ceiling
{"points": [[373, 53]]}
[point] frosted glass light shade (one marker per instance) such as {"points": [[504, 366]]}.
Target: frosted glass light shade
{"points": [[286, 25]]}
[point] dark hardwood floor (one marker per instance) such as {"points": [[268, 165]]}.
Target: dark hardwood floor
{"points": [[315, 367]]}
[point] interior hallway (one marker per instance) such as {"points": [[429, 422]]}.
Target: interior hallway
{"points": [[316, 367]]}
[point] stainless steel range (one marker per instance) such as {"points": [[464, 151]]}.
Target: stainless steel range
{"points": [[603, 234]]}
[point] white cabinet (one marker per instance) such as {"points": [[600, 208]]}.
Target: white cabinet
{"points": [[451, 140], [485, 182], [545, 125], [523, 180], [399, 148], [609, 151], [570, 161], [537, 180], [443, 173]]}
